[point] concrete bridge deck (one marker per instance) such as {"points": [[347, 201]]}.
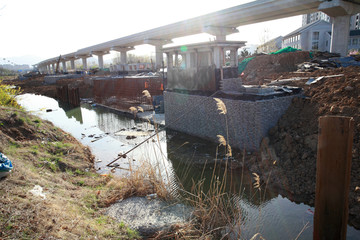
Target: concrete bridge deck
{"points": [[219, 24]]}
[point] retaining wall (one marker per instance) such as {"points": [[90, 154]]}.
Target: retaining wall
{"points": [[52, 79], [127, 87], [248, 121]]}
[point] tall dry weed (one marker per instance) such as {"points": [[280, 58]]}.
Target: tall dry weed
{"points": [[142, 181]]}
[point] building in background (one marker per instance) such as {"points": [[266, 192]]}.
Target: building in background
{"points": [[355, 22], [313, 17], [315, 33], [315, 36], [270, 46], [354, 40]]}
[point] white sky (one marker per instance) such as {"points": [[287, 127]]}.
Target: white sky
{"points": [[48, 28]]}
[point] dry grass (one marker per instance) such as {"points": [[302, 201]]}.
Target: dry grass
{"points": [[46, 156], [142, 181]]}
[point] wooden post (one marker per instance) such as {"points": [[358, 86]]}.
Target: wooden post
{"points": [[333, 170]]}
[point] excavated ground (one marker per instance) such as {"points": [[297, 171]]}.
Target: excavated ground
{"points": [[295, 136]]}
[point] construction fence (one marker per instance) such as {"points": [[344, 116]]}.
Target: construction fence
{"points": [[130, 88]]}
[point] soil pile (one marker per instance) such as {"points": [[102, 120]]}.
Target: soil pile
{"points": [[264, 65], [295, 136]]}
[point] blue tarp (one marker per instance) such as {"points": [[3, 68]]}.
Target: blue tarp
{"points": [[345, 61], [5, 164]]}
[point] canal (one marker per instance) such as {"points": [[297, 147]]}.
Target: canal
{"points": [[107, 134]]}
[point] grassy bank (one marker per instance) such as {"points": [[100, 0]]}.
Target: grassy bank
{"points": [[46, 156]]}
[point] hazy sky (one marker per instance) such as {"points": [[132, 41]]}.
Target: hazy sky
{"points": [[48, 28]]}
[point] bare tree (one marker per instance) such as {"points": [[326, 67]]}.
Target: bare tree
{"points": [[264, 36]]}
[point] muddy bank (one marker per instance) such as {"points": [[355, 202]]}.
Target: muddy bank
{"points": [[294, 138]]}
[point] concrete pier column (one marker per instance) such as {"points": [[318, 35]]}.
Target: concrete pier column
{"points": [[101, 61], [84, 63], [48, 69], [72, 64], [218, 53], [169, 61], [183, 62], [83, 59], [340, 34], [340, 13], [176, 59], [100, 55], [158, 56], [123, 57], [53, 68], [64, 66], [158, 43], [234, 57], [123, 51], [219, 32], [188, 60]]}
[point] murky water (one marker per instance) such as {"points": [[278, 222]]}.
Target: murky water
{"points": [[107, 134]]}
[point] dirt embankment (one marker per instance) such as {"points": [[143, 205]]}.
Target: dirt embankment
{"points": [[263, 65], [46, 156], [295, 136]]}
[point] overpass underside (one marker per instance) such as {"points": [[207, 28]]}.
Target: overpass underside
{"points": [[219, 24]]}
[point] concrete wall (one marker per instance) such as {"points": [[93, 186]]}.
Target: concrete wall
{"points": [[248, 121], [54, 78], [192, 79]]}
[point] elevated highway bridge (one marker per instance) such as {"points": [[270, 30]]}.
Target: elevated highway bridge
{"points": [[219, 24]]}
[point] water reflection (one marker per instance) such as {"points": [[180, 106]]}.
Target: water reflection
{"points": [[72, 112], [177, 155]]}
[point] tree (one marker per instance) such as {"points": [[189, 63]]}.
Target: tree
{"points": [[264, 36], [244, 53]]}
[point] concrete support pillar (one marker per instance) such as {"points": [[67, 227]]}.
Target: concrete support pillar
{"points": [[123, 57], [220, 32], [176, 59], [101, 61], [183, 63], [64, 66], [48, 69], [188, 60], [210, 59], [234, 57], [169, 61], [84, 63], [340, 34], [53, 68], [158, 43], [191, 59], [72, 64], [123, 51], [218, 56], [340, 12], [158, 56], [100, 55]]}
